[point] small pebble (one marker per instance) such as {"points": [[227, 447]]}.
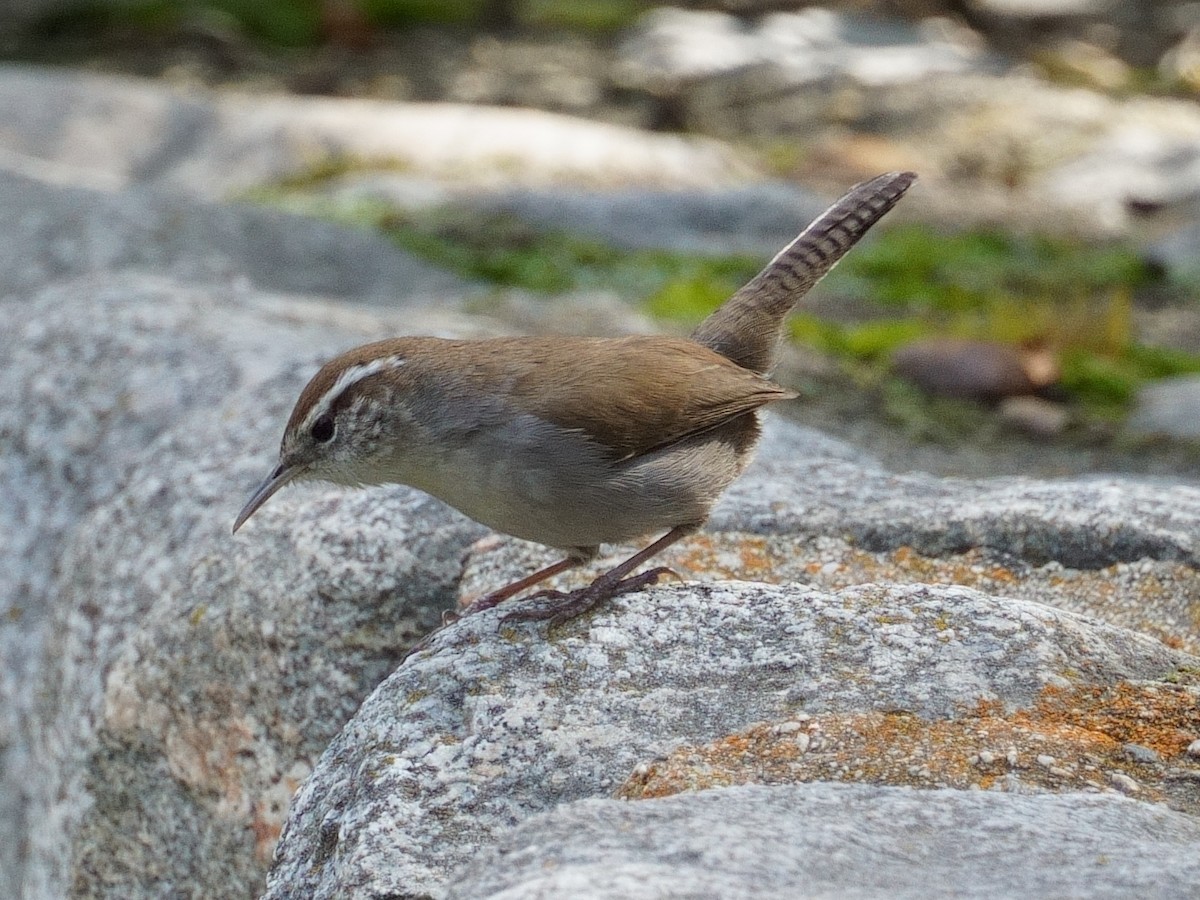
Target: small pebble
{"points": [[801, 742], [1123, 783], [787, 728], [1141, 753], [1194, 748], [1046, 761], [986, 757]]}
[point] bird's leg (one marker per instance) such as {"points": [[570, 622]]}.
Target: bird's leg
{"points": [[487, 601], [565, 606]]}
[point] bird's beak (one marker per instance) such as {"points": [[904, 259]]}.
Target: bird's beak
{"points": [[273, 482]]}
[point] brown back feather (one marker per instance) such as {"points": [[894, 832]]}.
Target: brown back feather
{"points": [[629, 395]]}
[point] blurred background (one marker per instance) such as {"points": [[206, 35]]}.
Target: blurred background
{"points": [[1031, 307]]}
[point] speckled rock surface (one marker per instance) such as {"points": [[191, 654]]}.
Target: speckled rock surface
{"points": [[1084, 523], [829, 840], [62, 230], [188, 678], [494, 723]]}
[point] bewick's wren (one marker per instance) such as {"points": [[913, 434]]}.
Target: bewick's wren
{"points": [[570, 441]]}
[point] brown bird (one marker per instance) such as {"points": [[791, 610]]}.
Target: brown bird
{"points": [[571, 442]]}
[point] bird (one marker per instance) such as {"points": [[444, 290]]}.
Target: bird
{"points": [[568, 441]]}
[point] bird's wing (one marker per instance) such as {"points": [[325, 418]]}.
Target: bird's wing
{"points": [[634, 395]]}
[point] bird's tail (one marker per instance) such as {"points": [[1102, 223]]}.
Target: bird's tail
{"points": [[747, 327]]}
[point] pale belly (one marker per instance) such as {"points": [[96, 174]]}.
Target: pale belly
{"points": [[572, 497]]}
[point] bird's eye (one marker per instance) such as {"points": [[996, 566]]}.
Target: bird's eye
{"points": [[322, 429]]}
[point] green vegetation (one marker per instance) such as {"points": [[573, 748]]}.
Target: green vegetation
{"points": [[503, 250], [1075, 297], [299, 23], [580, 15], [283, 23], [907, 283], [406, 13], [576, 15]]}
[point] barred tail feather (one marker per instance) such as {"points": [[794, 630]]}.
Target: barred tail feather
{"points": [[746, 329]]}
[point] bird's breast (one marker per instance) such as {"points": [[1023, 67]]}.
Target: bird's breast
{"points": [[533, 480]]}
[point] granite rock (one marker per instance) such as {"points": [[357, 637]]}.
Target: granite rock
{"points": [[494, 723], [63, 230], [832, 840], [125, 132], [136, 648]]}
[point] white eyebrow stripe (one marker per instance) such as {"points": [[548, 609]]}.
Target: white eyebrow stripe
{"points": [[351, 376]]}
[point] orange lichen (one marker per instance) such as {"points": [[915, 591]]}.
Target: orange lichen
{"points": [[1069, 739], [1145, 600]]}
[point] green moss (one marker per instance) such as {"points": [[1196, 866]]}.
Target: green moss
{"points": [[908, 283], [1187, 675], [1076, 297], [937, 420], [283, 23], [506, 251], [580, 15], [298, 23], [575, 15], [914, 267], [407, 13], [873, 340], [1107, 383]]}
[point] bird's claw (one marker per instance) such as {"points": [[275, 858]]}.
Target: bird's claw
{"points": [[567, 606], [554, 607]]}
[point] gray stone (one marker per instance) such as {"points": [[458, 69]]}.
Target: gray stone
{"points": [[1042, 9], [494, 723], [835, 840], [1085, 523], [114, 132], [791, 74], [1178, 252], [191, 679], [62, 230], [931, 99], [974, 369], [143, 646], [673, 48], [1155, 597], [1142, 754], [1148, 158], [754, 218], [1035, 416], [1169, 406]]}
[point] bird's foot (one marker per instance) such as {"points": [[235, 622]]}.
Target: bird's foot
{"points": [[558, 606], [553, 606]]}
